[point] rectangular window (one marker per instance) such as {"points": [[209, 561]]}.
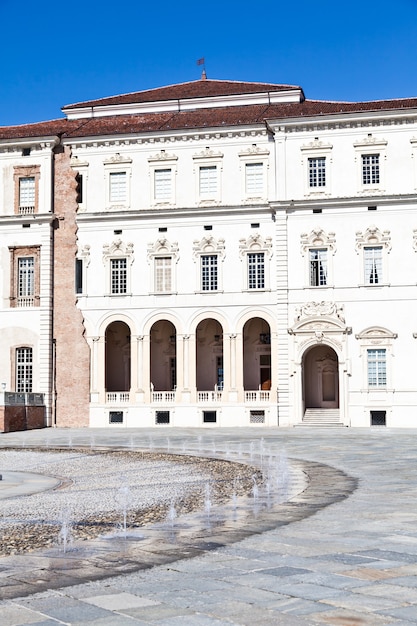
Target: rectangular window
{"points": [[254, 179], [256, 270], [317, 172], [118, 276], [370, 169], [162, 184], [318, 267], [118, 187], [24, 370], [209, 417], [377, 367], [373, 265], [163, 274], [26, 281], [78, 275], [27, 194], [208, 181], [209, 272], [79, 188]]}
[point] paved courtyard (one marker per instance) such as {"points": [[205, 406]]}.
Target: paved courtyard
{"points": [[348, 560]]}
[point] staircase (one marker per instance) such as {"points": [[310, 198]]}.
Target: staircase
{"points": [[324, 418]]}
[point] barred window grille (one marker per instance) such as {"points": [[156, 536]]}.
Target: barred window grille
{"points": [[209, 417], [317, 172], [24, 370], [256, 270], [162, 417], [370, 169], [209, 272], [118, 276], [116, 417], [257, 417]]}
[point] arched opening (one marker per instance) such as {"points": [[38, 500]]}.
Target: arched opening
{"points": [[117, 376], [163, 364], [321, 378], [209, 355], [257, 355]]}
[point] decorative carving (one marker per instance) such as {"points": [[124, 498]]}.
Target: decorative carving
{"points": [[254, 150], [163, 156], [255, 243], [373, 236], [84, 254], [117, 248], [117, 158], [163, 246], [316, 144], [209, 245], [318, 309], [374, 333], [207, 153], [318, 238]]}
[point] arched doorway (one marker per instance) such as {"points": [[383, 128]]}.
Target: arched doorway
{"points": [[117, 359], [163, 356], [209, 355], [257, 355], [321, 378]]}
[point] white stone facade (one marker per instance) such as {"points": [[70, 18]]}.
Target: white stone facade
{"points": [[254, 261]]}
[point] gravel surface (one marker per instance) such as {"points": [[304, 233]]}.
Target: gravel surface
{"points": [[98, 488]]}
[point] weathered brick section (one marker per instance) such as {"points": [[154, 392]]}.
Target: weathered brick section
{"points": [[72, 351]]}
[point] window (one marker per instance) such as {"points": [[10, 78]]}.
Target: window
{"points": [[373, 247], [317, 172], [27, 194], [24, 276], [117, 187], [24, 370], [79, 188], [208, 255], [209, 272], [163, 274], [78, 275], [318, 267], [26, 189], [26, 282], [118, 276], [254, 179], [377, 368], [370, 169], [255, 253], [163, 185], [373, 264], [256, 270], [208, 181]]}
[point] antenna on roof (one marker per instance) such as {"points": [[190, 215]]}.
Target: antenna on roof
{"points": [[202, 62]]}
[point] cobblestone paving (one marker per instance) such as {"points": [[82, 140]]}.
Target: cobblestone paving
{"points": [[352, 562]]}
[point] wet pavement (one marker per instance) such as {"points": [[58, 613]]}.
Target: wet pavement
{"points": [[342, 550]]}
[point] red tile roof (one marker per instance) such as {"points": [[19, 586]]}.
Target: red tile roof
{"points": [[193, 89], [200, 118]]}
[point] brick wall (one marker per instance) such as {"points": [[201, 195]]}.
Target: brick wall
{"points": [[72, 351]]}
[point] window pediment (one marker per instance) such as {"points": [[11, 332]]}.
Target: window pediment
{"points": [[372, 236], [376, 334], [255, 243], [318, 238], [209, 245], [163, 247], [117, 248]]}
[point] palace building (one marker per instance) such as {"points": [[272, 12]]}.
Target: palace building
{"points": [[212, 253]]}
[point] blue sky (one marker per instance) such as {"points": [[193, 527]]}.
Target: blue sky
{"points": [[56, 53]]}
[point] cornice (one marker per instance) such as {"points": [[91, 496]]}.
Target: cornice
{"points": [[167, 139], [344, 121], [343, 202]]}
